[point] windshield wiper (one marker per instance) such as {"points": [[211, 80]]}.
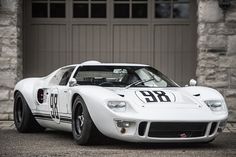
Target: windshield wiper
{"points": [[138, 82]]}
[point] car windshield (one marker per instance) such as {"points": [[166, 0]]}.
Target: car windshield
{"points": [[122, 76]]}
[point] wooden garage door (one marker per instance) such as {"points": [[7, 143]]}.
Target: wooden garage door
{"points": [[161, 33]]}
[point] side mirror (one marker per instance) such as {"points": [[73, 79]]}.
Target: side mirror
{"points": [[72, 82], [192, 82]]}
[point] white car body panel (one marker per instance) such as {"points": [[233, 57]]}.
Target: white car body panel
{"points": [[184, 107]]}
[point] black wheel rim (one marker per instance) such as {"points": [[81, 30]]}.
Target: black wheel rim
{"points": [[79, 119], [19, 110]]}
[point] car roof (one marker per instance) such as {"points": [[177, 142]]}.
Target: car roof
{"points": [[96, 63]]}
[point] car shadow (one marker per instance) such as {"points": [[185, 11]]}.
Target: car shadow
{"points": [[108, 143]]}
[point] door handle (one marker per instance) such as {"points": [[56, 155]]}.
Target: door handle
{"points": [[65, 91]]}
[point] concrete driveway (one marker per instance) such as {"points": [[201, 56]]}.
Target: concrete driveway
{"points": [[60, 144]]}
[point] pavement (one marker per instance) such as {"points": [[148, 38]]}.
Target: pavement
{"points": [[59, 144]]}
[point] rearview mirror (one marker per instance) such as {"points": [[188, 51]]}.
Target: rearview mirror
{"points": [[72, 82], [192, 82]]}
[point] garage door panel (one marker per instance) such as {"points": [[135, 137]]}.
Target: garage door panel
{"points": [[89, 42], [47, 49], [131, 44], [173, 51]]}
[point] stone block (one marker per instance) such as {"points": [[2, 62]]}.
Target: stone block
{"points": [[200, 80], [9, 41], [8, 32], [216, 84], [9, 5], [209, 11], [231, 103], [6, 107], [232, 116], [9, 51], [208, 72], [4, 63], [11, 117], [11, 94], [213, 42], [205, 55], [233, 61], [230, 93], [224, 62], [207, 63], [222, 75], [233, 78], [4, 94], [232, 44], [215, 29], [4, 20], [231, 14], [7, 79], [4, 116]]}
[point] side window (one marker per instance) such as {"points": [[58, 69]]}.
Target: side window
{"points": [[62, 76], [66, 76]]}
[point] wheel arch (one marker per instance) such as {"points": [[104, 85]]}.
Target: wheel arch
{"points": [[73, 99], [26, 88]]}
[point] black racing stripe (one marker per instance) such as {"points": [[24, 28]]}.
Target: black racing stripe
{"points": [[39, 115], [63, 119], [68, 122], [41, 118]]}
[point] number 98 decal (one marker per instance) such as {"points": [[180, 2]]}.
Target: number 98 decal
{"points": [[54, 107], [155, 96]]}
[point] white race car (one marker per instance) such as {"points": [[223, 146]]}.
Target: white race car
{"points": [[129, 102]]}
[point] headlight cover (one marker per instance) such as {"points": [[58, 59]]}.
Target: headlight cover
{"points": [[117, 106], [216, 105]]}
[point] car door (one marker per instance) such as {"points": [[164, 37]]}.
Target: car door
{"points": [[59, 95]]}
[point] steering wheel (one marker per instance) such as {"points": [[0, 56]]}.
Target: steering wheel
{"points": [[106, 84]]}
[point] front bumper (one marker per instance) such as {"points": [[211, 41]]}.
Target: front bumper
{"points": [[138, 132], [109, 123], [107, 120]]}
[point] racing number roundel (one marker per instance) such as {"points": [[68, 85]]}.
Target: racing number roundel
{"points": [[155, 96]]}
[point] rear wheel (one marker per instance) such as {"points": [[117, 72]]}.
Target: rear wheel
{"points": [[83, 129], [23, 118]]}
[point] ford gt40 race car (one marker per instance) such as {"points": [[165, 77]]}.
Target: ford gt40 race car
{"points": [[129, 102]]}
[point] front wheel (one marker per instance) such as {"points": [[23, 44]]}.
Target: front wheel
{"points": [[83, 129]]}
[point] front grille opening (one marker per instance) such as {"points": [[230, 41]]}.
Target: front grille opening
{"points": [[142, 128], [213, 128], [177, 130]]}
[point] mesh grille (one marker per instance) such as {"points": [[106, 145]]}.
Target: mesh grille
{"points": [[177, 130]]}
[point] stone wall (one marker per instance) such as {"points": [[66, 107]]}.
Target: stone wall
{"points": [[216, 65], [10, 53]]}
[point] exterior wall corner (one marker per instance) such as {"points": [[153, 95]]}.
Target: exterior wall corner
{"points": [[10, 53], [216, 63]]}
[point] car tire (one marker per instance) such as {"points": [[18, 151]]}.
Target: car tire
{"points": [[83, 129], [23, 117]]}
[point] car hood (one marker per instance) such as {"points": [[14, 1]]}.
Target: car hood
{"points": [[159, 97]]}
